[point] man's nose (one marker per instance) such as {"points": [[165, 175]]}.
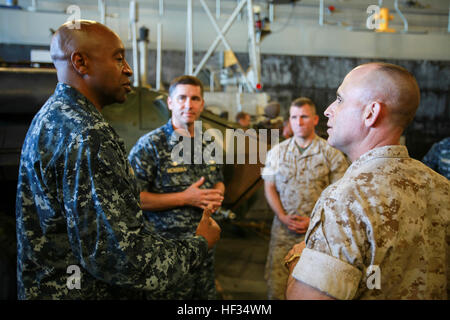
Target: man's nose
{"points": [[188, 102], [127, 70], [327, 112]]}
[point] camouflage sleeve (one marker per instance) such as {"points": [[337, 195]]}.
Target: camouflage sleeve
{"points": [[105, 225], [431, 159], [335, 242], [142, 158], [337, 163], [270, 169], [218, 175]]}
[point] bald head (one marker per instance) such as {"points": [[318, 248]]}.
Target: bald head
{"points": [[91, 59], [373, 106], [68, 40], [391, 85]]}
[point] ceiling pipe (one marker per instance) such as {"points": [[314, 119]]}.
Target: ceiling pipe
{"points": [[405, 22], [102, 10], [133, 26], [321, 13], [448, 27], [161, 8]]}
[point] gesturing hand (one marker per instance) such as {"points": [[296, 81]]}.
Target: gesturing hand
{"points": [[208, 228], [201, 198]]}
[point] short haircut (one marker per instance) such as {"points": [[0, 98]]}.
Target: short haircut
{"points": [[408, 99], [185, 79], [400, 91], [300, 102], [241, 115]]}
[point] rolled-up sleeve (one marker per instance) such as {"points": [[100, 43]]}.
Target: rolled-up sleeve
{"points": [[336, 244], [327, 274]]}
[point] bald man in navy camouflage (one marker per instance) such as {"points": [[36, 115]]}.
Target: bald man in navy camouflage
{"points": [[80, 230]]}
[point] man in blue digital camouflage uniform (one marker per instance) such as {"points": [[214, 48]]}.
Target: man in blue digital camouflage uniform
{"points": [[176, 190], [80, 231], [438, 157]]}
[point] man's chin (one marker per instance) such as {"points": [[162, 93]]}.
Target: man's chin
{"points": [[115, 100], [189, 120], [331, 142], [121, 99], [303, 135]]}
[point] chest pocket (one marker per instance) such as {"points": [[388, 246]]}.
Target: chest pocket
{"points": [[285, 174], [319, 168], [175, 177]]}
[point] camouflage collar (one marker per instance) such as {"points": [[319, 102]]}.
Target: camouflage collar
{"points": [[313, 147], [66, 92], [393, 151], [173, 137]]}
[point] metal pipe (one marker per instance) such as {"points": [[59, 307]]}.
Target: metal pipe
{"points": [[224, 40], [102, 9], [161, 8], [143, 49], [211, 81], [217, 9], [217, 40], [271, 12], [158, 56], [133, 25], [34, 4], [405, 23], [143, 54], [321, 13], [240, 13], [254, 61], [216, 27], [159, 48], [189, 47]]}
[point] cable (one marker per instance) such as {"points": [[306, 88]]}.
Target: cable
{"points": [[288, 20]]}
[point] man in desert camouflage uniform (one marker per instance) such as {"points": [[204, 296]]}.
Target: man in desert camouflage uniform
{"points": [[379, 232], [176, 188], [80, 231], [296, 172]]}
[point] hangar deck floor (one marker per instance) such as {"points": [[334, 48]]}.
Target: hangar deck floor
{"points": [[240, 259]]}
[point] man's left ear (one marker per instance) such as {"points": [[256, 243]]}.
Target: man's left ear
{"points": [[79, 62], [372, 113]]}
